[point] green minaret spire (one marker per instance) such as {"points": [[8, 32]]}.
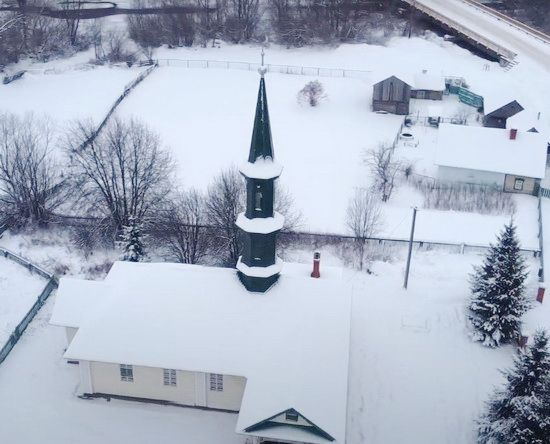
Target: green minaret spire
{"points": [[259, 267], [262, 144]]}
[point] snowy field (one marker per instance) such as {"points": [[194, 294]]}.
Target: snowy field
{"points": [[414, 374], [205, 116], [19, 289], [68, 93], [321, 148]]}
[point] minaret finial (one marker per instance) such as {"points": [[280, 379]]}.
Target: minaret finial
{"points": [[262, 69]]}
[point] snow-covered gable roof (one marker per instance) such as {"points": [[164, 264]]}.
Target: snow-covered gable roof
{"points": [[291, 343], [490, 149], [75, 299], [404, 77], [429, 82], [528, 119], [494, 99]]}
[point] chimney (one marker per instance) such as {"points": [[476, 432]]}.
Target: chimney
{"points": [[316, 262], [513, 134], [540, 292]]}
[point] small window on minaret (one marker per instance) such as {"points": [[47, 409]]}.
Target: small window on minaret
{"points": [[258, 199]]}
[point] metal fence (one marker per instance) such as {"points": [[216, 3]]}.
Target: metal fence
{"points": [[456, 247], [279, 69], [50, 286]]}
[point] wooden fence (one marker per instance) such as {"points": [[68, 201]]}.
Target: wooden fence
{"points": [[41, 299], [127, 89]]}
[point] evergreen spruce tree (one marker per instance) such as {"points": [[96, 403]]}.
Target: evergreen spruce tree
{"points": [[132, 241], [498, 292], [520, 413]]}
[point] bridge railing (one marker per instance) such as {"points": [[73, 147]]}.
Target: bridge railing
{"points": [[498, 49], [539, 35]]}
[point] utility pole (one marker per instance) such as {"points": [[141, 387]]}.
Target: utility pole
{"points": [[408, 267], [411, 17]]}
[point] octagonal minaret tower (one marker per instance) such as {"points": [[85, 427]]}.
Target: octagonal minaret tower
{"points": [[259, 267]]}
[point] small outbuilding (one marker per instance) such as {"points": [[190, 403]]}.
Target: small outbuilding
{"points": [[428, 86], [514, 160], [498, 106], [391, 95], [498, 117]]}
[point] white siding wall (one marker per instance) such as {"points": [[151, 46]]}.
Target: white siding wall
{"points": [[465, 175], [231, 396], [191, 388]]}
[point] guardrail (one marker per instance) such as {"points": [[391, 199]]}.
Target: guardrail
{"points": [[539, 35], [279, 69], [40, 300], [467, 32]]}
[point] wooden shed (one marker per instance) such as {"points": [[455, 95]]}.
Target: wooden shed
{"points": [[497, 118], [391, 95]]}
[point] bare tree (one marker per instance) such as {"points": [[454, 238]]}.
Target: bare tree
{"points": [[242, 19], [227, 198], [30, 183], [124, 170], [211, 21], [114, 46], [224, 202], [364, 219], [384, 168], [312, 93], [145, 30], [183, 227], [462, 114]]}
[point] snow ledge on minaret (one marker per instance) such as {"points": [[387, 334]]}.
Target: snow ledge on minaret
{"points": [[261, 225], [260, 272], [263, 168]]}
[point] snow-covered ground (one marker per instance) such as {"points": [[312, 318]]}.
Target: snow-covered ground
{"points": [[414, 374], [321, 148], [19, 289], [39, 403], [68, 93], [205, 116], [54, 250]]}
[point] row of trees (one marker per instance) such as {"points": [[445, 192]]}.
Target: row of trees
{"points": [[23, 33], [291, 22], [119, 182], [25, 30]]}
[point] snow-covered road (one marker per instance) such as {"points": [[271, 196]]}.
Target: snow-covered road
{"points": [[494, 29]]}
